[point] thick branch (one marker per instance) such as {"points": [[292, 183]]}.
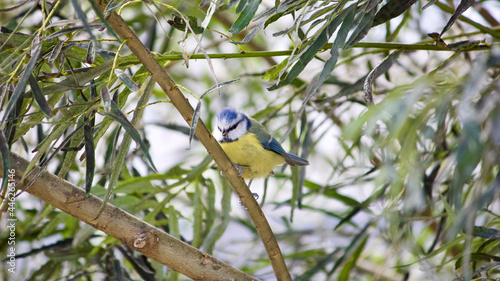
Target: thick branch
{"points": [[229, 171], [135, 233]]}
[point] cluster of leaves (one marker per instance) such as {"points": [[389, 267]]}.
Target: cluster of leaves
{"points": [[428, 149]]}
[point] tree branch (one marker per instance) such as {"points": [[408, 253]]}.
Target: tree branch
{"points": [[131, 231], [186, 110]]}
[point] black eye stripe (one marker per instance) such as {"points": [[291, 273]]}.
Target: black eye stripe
{"points": [[233, 127]]}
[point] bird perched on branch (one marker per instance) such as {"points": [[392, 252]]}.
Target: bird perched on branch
{"points": [[249, 146]]}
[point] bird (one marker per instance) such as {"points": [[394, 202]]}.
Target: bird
{"points": [[249, 145]]}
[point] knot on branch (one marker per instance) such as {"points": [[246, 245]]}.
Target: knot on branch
{"points": [[143, 240]]}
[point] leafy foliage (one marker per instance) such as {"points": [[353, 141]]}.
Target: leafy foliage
{"points": [[401, 130]]}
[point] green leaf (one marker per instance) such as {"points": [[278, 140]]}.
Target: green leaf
{"points": [[36, 48], [83, 18], [250, 34], [468, 154], [317, 267], [487, 233], [122, 119], [89, 150], [383, 67], [462, 7], [306, 55], [273, 73], [362, 29], [357, 244], [5, 152], [56, 51], [194, 121], [392, 9], [351, 262], [173, 222], [247, 9], [125, 78], [91, 51], [39, 98], [334, 51], [197, 216], [332, 193]]}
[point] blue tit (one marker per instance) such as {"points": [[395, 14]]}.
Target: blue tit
{"points": [[249, 146]]}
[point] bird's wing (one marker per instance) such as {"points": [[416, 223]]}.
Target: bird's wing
{"points": [[265, 138], [272, 144]]}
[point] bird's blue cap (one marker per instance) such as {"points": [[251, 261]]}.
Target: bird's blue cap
{"points": [[227, 115]]}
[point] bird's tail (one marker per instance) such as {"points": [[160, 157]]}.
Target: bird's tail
{"points": [[294, 160]]}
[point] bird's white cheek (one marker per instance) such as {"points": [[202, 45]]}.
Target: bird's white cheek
{"points": [[217, 135]]}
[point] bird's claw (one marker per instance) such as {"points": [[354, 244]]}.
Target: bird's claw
{"points": [[238, 168]]}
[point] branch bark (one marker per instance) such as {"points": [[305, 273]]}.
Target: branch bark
{"points": [[135, 233], [186, 110]]}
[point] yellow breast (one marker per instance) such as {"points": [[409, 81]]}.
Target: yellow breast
{"points": [[248, 151]]}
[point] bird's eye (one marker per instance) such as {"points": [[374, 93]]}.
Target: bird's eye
{"points": [[219, 128], [233, 127]]}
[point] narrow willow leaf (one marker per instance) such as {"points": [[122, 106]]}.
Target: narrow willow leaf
{"points": [[377, 194], [54, 54], [358, 85], [210, 13], [468, 155], [106, 100], [72, 29], [5, 152], [356, 242], [462, 7], [173, 222], [251, 34], [306, 56], [294, 201], [194, 122], [89, 150], [79, 80], [368, 85], [318, 267], [36, 48], [334, 52], [81, 15], [392, 9], [249, 8], [273, 73], [241, 6], [54, 135], [211, 212], [487, 233], [91, 51], [218, 86], [39, 98], [372, 4], [463, 45], [362, 29], [429, 4], [112, 5], [127, 80], [197, 216], [351, 261], [122, 119], [102, 18], [217, 231]]}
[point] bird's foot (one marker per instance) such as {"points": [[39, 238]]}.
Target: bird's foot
{"points": [[255, 195], [238, 168]]}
